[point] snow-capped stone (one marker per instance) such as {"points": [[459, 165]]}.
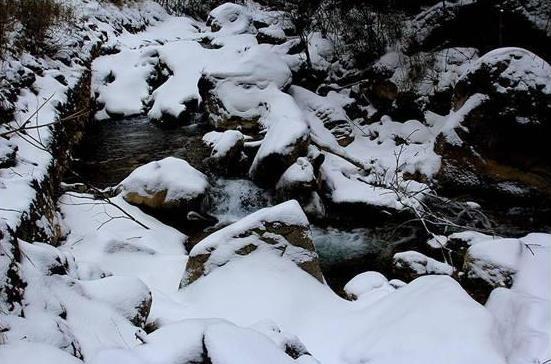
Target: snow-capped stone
{"points": [[493, 261], [226, 151], [412, 264], [230, 18], [170, 183], [297, 181], [281, 230], [365, 283]]}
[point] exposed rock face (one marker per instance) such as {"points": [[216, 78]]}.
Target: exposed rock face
{"points": [[500, 143], [411, 264], [12, 286], [281, 230], [170, 183]]}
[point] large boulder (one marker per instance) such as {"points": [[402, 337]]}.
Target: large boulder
{"points": [[282, 230], [167, 184], [492, 263], [497, 132]]}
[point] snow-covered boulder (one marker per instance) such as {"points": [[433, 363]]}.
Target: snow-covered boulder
{"points": [[282, 230], [203, 341], [48, 259], [230, 18], [170, 183], [272, 34], [411, 264], [297, 181], [493, 262], [500, 120], [515, 78], [226, 151], [365, 283]]}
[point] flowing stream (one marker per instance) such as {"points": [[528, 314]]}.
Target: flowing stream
{"points": [[113, 149]]}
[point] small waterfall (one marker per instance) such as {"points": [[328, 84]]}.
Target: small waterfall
{"points": [[233, 199]]}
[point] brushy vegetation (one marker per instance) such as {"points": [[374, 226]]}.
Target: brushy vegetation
{"points": [[34, 25]]}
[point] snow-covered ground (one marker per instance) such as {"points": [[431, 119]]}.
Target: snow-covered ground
{"points": [[118, 289]]}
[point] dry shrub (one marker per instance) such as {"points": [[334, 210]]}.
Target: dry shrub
{"points": [[38, 19], [7, 10]]}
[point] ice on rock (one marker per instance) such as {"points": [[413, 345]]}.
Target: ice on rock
{"points": [[167, 183]]}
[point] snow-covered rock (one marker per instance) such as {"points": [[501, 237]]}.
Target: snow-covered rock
{"points": [[522, 312], [365, 283], [170, 183], [494, 261], [281, 230], [226, 151], [230, 18], [500, 114], [412, 264], [298, 181]]}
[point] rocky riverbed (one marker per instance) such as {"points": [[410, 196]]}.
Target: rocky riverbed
{"points": [[224, 205]]}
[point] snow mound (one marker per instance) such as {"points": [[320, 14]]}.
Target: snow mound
{"points": [[414, 264], [514, 69], [197, 341], [168, 183]]}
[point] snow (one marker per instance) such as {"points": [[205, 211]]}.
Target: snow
{"points": [[32, 353], [120, 81], [524, 70], [88, 297], [222, 142], [421, 264], [366, 283], [300, 172], [262, 286], [173, 176], [522, 312]]}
